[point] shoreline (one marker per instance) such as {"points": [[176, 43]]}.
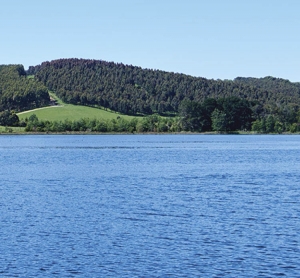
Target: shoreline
{"points": [[144, 133]]}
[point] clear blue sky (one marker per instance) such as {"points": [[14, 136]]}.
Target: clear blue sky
{"points": [[219, 39]]}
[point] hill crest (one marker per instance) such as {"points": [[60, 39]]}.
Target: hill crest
{"points": [[133, 90]]}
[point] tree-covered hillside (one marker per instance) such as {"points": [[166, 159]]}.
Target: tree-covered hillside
{"points": [[270, 83], [18, 92], [133, 90], [263, 105], [286, 92]]}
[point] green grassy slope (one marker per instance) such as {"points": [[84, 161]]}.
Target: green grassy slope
{"points": [[68, 111], [14, 129]]}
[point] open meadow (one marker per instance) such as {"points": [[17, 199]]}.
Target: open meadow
{"points": [[63, 111]]}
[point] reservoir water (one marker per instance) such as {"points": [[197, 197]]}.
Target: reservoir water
{"points": [[149, 206]]}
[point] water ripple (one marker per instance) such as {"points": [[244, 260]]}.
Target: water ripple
{"points": [[146, 206]]}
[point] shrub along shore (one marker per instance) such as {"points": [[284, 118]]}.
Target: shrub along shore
{"points": [[153, 124]]}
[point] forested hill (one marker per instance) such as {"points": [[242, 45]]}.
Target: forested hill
{"points": [[18, 92], [132, 90], [281, 87]]}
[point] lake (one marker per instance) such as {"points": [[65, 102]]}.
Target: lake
{"points": [[150, 206]]}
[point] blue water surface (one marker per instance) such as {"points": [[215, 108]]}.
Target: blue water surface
{"points": [[149, 206]]}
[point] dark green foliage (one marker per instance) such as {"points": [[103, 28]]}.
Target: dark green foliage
{"points": [[17, 92], [32, 70], [284, 89], [8, 118], [263, 105], [196, 116], [277, 92], [226, 114], [190, 113], [237, 113], [133, 90], [219, 121]]}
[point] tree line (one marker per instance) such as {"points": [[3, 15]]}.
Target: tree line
{"points": [[186, 103], [132, 90], [222, 115], [18, 92], [235, 114], [152, 123]]}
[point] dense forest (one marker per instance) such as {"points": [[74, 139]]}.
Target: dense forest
{"points": [[168, 101], [262, 104], [133, 90], [18, 92], [272, 84]]}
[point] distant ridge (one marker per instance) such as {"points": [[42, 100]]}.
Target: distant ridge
{"points": [[132, 90]]}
